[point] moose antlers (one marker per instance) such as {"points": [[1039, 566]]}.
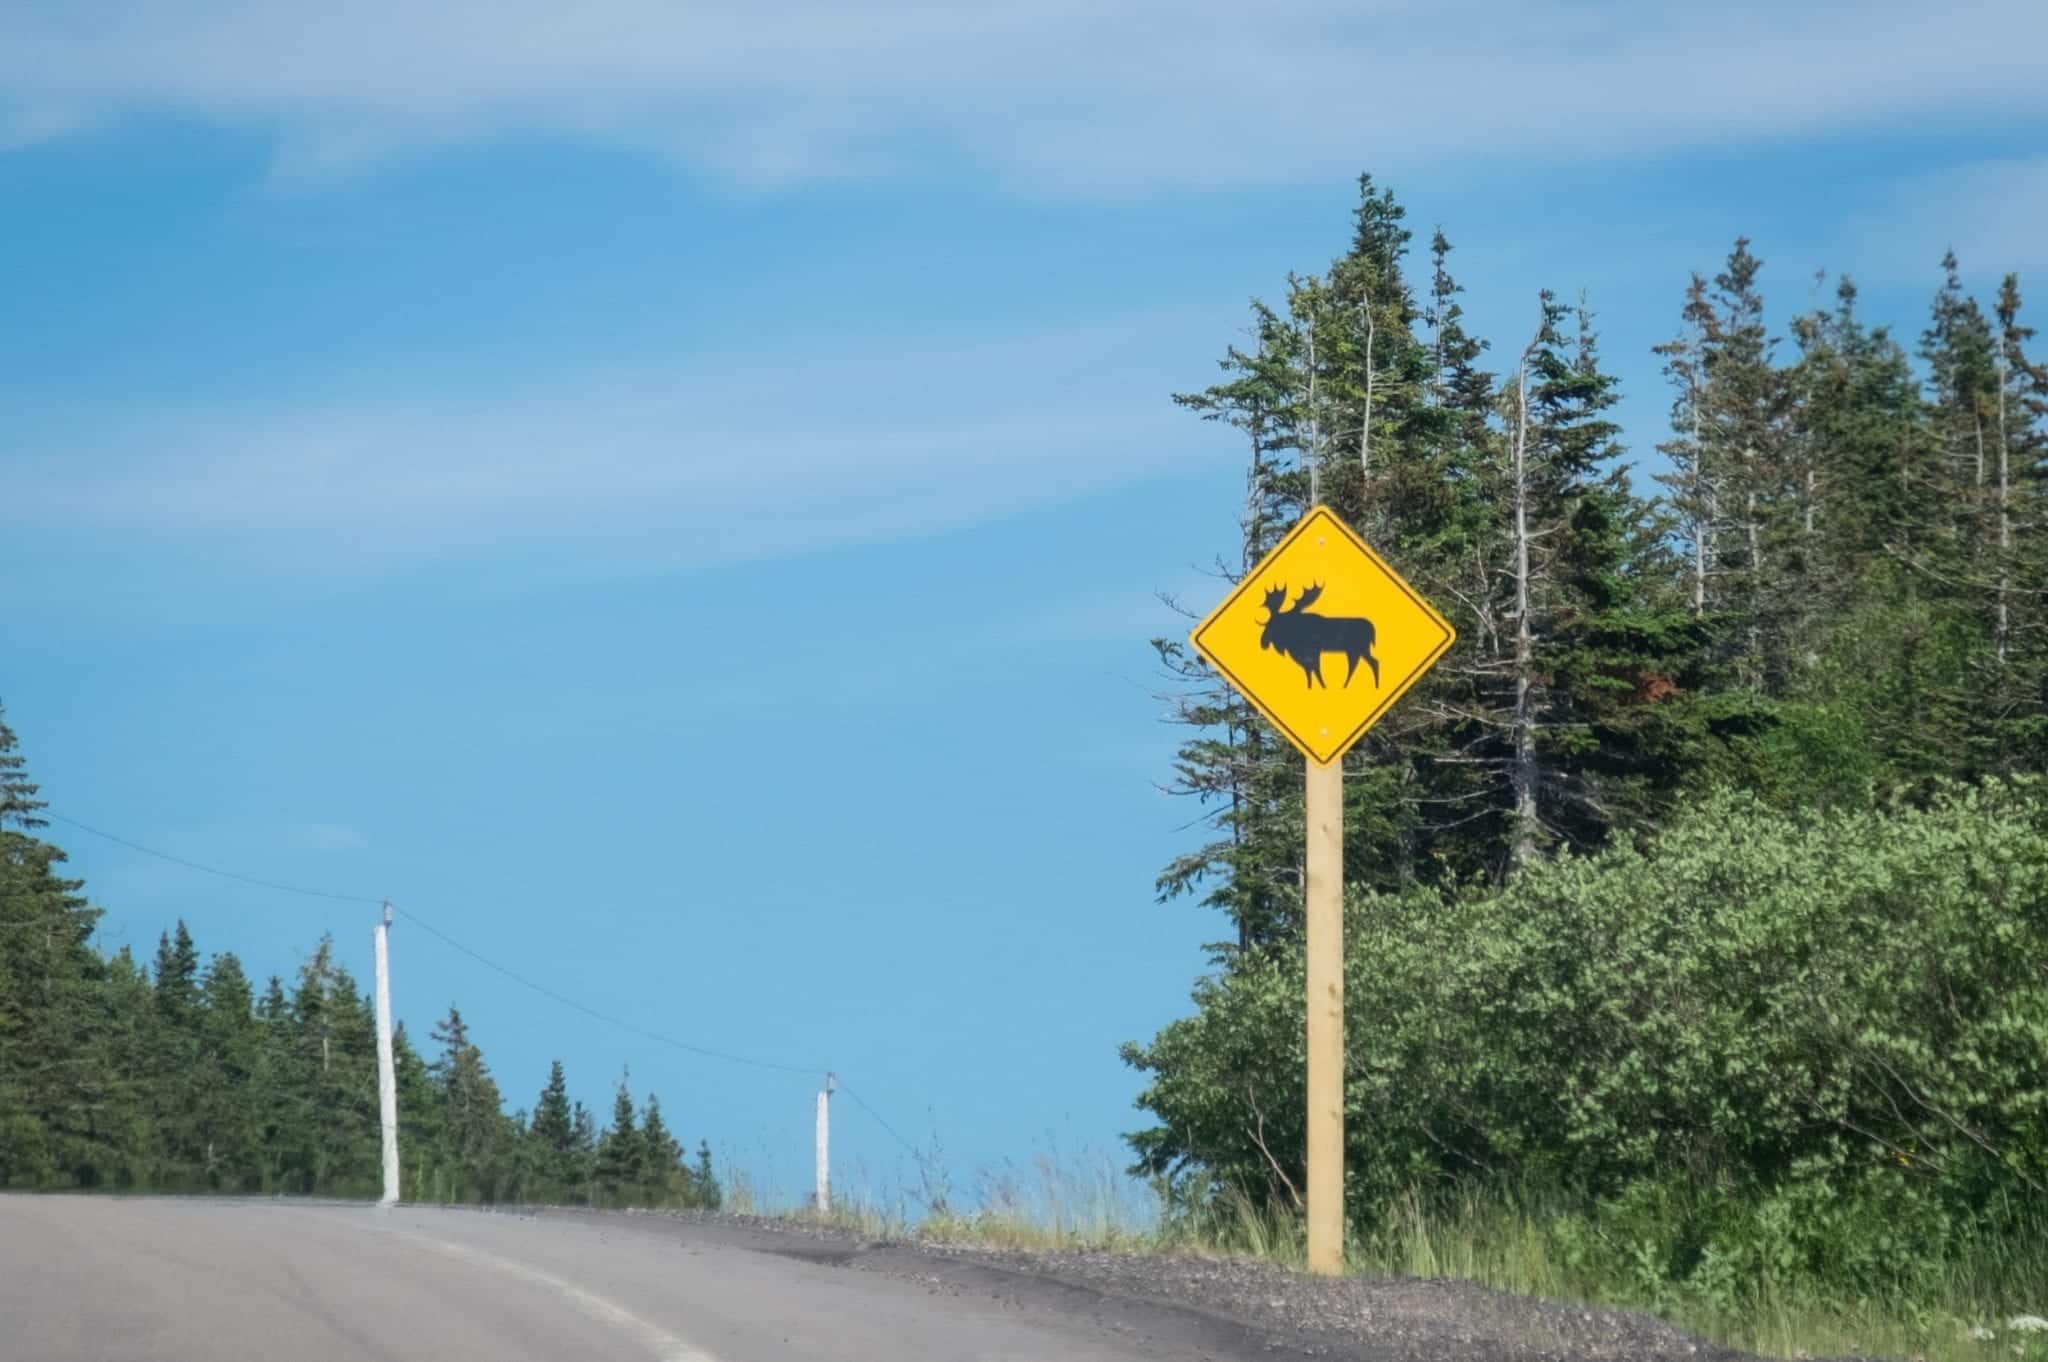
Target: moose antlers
{"points": [[1276, 599]]}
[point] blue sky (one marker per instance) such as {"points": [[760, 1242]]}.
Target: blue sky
{"points": [[675, 495]]}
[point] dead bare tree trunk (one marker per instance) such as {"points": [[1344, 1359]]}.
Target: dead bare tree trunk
{"points": [[1522, 771], [1315, 440], [1241, 780], [1703, 524], [2004, 626], [1752, 533], [1365, 426]]}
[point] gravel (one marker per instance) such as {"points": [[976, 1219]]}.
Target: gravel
{"points": [[1363, 1317], [1225, 1308]]}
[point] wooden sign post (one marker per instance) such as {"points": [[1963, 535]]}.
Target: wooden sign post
{"points": [[1319, 596], [1325, 931]]}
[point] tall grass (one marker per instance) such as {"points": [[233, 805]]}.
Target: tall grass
{"points": [[1526, 1243], [1530, 1245]]}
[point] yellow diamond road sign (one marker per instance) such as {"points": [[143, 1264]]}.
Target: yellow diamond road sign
{"points": [[1323, 637]]}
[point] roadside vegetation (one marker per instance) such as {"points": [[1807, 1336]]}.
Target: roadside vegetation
{"points": [[183, 1076], [1697, 940]]}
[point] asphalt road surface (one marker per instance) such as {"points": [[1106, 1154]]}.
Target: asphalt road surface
{"points": [[107, 1279]]}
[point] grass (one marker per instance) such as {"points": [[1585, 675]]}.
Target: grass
{"points": [[1518, 1248], [1510, 1244]]}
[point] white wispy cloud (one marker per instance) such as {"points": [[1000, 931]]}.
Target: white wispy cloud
{"points": [[1059, 94], [1990, 212], [742, 456]]}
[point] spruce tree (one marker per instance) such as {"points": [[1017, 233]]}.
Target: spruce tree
{"points": [[585, 1146], [334, 1042], [704, 1184], [553, 1133], [2019, 568], [1343, 404], [177, 977], [1859, 412], [1746, 404], [1962, 361], [423, 1160], [1694, 491], [111, 1137], [272, 1090], [1236, 767], [661, 1167], [620, 1152], [224, 1077], [176, 1059], [475, 1127], [1554, 710], [19, 806], [63, 1119]]}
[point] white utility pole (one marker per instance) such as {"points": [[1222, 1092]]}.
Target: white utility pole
{"points": [[824, 1198], [387, 1071]]}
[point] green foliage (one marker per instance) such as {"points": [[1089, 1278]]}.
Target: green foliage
{"points": [[184, 1079], [1764, 1051], [704, 1183], [621, 1151], [551, 1136], [1732, 1050]]}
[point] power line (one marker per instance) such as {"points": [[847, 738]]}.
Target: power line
{"points": [[915, 1152], [589, 1011], [484, 960], [194, 865]]}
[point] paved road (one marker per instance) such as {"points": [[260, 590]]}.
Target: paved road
{"points": [[167, 1280]]}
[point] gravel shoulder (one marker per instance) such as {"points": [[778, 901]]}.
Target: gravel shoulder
{"points": [[1219, 1307]]}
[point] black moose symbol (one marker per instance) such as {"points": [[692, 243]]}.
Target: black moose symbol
{"points": [[1304, 636]]}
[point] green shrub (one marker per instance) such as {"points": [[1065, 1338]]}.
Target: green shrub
{"points": [[1766, 1052]]}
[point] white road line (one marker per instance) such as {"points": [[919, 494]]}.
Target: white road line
{"points": [[662, 1344]]}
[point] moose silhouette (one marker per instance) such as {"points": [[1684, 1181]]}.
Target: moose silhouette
{"points": [[1303, 636]]}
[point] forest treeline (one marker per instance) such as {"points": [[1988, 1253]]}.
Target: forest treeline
{"points": [[1704, 883], [184, 1076]]}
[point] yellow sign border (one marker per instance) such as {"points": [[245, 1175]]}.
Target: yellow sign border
{"points": [[1323, 515]]}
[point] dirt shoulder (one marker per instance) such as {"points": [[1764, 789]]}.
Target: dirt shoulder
{"points": [[1218, 1307]]}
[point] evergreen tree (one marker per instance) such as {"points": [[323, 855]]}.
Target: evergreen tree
{"points": [[276, 1091], [1243, 772], [1962, 363], [704, 1184], [475, 1131], [177, 979], [1554, 714], [585, 1146], [621, 1153], [1859, 414], [425, 1171], [552, 1133], [2019, 567], [1839, 597], [230, 1038], [662, 1173], [1457, 384], [111, 1137], [1745, 402], [336, 1041], [1342, 404], [176, 1058], [57, 1102], [19, 806]]}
